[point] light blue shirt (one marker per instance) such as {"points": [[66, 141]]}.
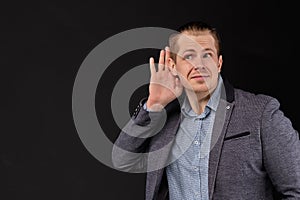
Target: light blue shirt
{"points": [[188, 174]]}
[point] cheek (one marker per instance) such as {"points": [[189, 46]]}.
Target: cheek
{"points": [[214, 68], [182, 70]]}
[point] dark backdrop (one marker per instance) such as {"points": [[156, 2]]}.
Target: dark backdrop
{"points": [[43, 44]]}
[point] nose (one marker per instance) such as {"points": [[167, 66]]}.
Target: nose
{"points": [[199, 66], [198, 63], [195, 67]]}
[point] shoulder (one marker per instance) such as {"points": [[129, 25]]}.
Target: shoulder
{"points": [[243, 96], [255, 102]]}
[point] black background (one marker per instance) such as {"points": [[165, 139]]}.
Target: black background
{"points": [[43, 44]]}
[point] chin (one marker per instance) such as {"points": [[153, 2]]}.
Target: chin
{"points": [[199, 89]]}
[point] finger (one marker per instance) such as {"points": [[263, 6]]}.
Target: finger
{"points": [[173, 78], [178, 87], [161, 62], [167, 56], [177, 82], [152, 65]]}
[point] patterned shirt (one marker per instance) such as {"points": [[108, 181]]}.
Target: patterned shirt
{"points": [[188, 174]]}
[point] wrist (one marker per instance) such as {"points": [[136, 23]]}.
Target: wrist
{"points": [[153, 106]]}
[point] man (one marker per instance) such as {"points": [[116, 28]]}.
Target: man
{"points": [[197, 137]]}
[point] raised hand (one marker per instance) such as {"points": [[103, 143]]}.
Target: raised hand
{"points": [[164, 86]]}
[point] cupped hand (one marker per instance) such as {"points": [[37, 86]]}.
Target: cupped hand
{"points": [[164, 86]]}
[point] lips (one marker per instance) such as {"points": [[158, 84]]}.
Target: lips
{"points": [[197, 76]]}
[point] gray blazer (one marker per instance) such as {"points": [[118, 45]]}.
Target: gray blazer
{"points": [[255, 152]]}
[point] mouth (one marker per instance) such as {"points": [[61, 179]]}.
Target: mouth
{"points": [[203, 76]]}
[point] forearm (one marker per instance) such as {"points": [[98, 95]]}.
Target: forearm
{"points": [[130, 149]]}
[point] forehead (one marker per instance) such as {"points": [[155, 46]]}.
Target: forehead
{"points": [[197, 42]]}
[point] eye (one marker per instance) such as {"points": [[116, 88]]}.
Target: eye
{"points": [[207, 55], [188, 56]]}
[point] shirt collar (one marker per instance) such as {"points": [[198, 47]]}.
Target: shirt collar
{"points": [[215, 97]]}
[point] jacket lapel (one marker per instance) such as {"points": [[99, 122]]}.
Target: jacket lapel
{"points": [[222, 119]]}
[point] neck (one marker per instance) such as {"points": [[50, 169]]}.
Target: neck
{"points": [[198, 101]]}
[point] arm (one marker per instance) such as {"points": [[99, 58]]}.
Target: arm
{"points": [[130, 149], [281, 151]]}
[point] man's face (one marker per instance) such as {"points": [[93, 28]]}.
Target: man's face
{"points": [[197, 62]]}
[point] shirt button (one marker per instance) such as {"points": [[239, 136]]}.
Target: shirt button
{"points": [[196, 142], [195, 168], [227, 107]]}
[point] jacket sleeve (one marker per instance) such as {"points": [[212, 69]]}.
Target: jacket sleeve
{"points": [[129, 151], [281, 151]]}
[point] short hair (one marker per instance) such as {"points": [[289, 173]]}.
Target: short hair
{"points": [[194, 28]]}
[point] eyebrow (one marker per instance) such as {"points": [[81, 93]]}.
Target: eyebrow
{"points": [[193, 50], [208, 49]]}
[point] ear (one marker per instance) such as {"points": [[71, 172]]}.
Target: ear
{"points": [[220, 62], [172, 66]]}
